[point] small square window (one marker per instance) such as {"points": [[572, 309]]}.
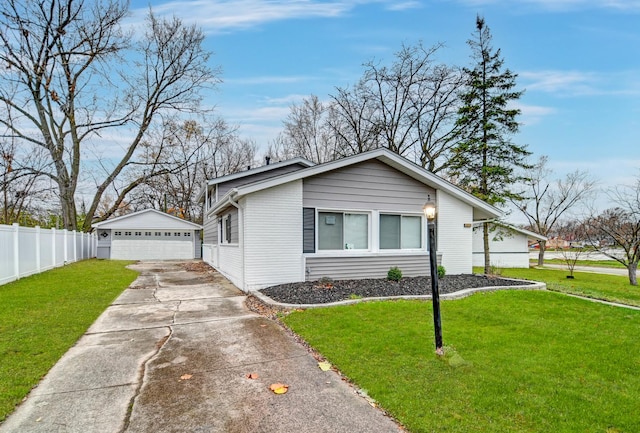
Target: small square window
{"points": [[138, 233], [147, 233], [176, 234], [187, 234], [127, 233], [118, 233], [158, 233], [167, 233]]}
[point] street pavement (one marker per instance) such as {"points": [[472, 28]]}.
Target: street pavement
{"points": [[172, 354]]}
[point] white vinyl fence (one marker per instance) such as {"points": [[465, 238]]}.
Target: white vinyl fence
{"points": [[26, 250]]}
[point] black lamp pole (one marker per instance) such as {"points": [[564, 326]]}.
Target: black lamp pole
{"points": [[430, 213]]}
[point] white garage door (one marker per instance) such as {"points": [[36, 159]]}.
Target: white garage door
{"points": [[133, 245]]}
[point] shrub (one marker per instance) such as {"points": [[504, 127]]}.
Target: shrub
{"points": [[495, 271], [394, 274], [441, 271]]}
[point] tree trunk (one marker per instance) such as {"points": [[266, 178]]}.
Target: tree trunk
{"points": [[68, 206], [633, 279], [543, 247], [485, 238]]}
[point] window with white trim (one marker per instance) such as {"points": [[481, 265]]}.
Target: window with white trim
{"points": [[343, 231], [225, 229], [400, 232]]}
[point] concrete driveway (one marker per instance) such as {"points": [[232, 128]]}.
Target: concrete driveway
{"points": [[172, 354]]}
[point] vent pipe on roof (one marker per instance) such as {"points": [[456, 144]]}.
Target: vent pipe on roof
{"points": [[267, 159]]}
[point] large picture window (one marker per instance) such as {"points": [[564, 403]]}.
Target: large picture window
{"points": [[343, 231], [400, 232]]}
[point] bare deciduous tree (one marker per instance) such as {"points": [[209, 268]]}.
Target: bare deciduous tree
{"points": [[73, 74], [198, 151], [546, 201], [307, 133], [616, 231], [409, 107]]}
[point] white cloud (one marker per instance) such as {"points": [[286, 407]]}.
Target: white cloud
{"points": [[563, 5], [401, 6], [573, 82], [532, 114], [225, 15], [578, 83]]}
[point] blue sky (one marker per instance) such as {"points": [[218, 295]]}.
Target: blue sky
{"points": [[577, 60]]}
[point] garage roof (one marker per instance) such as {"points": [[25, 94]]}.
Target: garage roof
{"points": [[149, 219]]}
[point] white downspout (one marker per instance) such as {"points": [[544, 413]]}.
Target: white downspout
{"points": [[235, 204]]}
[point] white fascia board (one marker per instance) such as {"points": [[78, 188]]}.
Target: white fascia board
{"points": [[260, 169], [390, 158], [528, 233], [226, 200], [250, 172], [108, 222]]}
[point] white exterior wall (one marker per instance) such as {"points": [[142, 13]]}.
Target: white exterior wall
{"points": [[509, 251], [140, 249], [273, 236], [454, 239], [230, 263]]}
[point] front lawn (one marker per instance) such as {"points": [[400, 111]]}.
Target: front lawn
{"points": [[43, 315], [518, 361], [612, 288]]}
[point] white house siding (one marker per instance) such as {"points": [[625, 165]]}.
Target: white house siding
{"points": [[139, 249], [509, 250], [273, 236], [454, 237], [230, 263]]}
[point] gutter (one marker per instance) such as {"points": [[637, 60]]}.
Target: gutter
{"points": [[232, 202]]}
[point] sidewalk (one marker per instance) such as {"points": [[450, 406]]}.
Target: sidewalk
{"points": [[172, 354], [592, 269]]}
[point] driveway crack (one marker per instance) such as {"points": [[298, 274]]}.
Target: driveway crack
{"points": [[141, 374]]}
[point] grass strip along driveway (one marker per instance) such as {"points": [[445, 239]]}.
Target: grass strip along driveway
{"points": [[516, 361], [43, 315], [612, 288]]}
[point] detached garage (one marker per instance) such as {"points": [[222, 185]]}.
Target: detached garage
{"points": [[148, 235]]}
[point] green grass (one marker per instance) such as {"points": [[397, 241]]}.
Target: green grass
{"points": [[43, 315], [608, 287], [518, 361]]}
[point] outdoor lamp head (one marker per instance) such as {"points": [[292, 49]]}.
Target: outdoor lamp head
{"points": [[429, 210]]}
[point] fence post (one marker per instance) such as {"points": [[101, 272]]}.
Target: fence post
{"points": [[53, 247], [16, 250], [66, 246], [75, 245], [37, 251]]}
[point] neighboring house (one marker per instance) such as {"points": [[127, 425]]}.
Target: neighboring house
{"points": [[351, 218], [148, 235], [508, 245]]}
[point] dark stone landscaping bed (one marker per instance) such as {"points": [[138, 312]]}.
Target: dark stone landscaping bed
{"points": [[315, 292]]}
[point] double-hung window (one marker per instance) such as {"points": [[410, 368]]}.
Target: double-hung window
{"points": [[400, 232], [225, 229], [343, 231]]}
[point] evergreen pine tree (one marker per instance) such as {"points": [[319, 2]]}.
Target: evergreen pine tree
{"points": [[485, 161]]}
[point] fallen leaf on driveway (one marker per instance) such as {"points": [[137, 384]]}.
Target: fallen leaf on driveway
{"points": [[324, 366], [186, 376], [279, 388], [252, 376]]}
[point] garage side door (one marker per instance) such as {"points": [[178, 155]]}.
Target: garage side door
{"points": [[145, 245]]}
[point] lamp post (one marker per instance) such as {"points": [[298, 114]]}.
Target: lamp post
{"points": [[430, 214]]}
